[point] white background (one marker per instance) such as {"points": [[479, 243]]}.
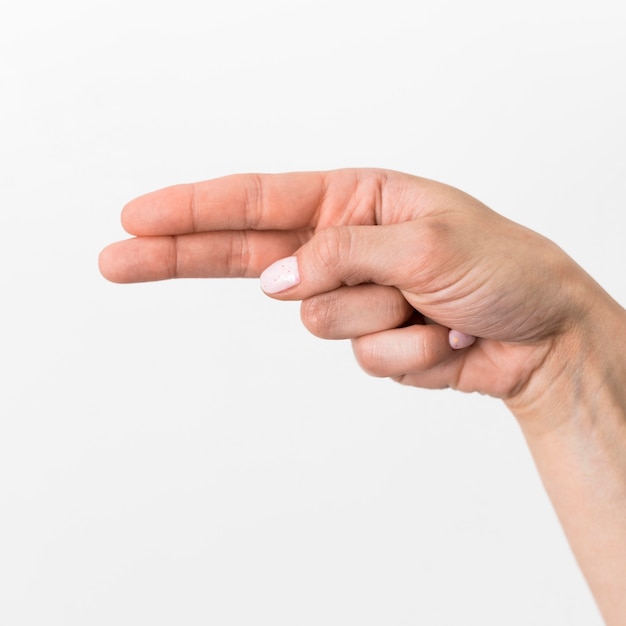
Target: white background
{"points": [[184, 452]]}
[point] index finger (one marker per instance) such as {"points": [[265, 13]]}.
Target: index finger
{"points": [[235, 202]]}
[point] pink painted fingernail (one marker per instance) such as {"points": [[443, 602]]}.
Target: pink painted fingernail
{"points": [[280, 275], [459, 340]]}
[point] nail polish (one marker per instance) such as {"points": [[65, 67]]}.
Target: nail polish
{"points": [[280, 275], [459, 340]]}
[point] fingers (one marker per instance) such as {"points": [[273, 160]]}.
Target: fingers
{"points": [[354, 311], [417, 350], [348, 255], [354, 255], [459, 340], [199, 255], [422, 354], [258, 202]]}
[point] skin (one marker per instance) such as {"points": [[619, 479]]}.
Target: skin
{"points": [[392, 262]]}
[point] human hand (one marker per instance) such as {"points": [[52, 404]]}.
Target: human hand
{"points": [[376, 254], [392, 262]]}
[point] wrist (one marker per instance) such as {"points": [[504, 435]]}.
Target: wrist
{"points": [[583, 372], [572, 413]]}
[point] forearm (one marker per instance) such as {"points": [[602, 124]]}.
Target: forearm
{"points": [[575, 426]]}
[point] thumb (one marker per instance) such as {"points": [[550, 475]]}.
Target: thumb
{"points": [[348, 255], [341, 255]]}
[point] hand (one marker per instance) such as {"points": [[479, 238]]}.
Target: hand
{"points": [[393, 261], [372, 249]]}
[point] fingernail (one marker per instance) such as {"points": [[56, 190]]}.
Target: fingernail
{"points": [[280, 275], [459, 340]]}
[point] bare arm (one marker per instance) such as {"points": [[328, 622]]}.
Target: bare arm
{"points": [[573, 416]]}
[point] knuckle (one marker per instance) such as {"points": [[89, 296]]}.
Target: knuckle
{"points": [[254, 202], [433, 250], [332, 246], [239, 258], [369, 356], [435, 235], [319, 315]]}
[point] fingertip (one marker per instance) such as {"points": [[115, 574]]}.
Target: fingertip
{"points": [[165, 211], [108, 264], [459, 340], [280, 276], [134, 215]]}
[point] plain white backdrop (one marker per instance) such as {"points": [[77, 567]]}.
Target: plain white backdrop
{"points": [[184, 452]]}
